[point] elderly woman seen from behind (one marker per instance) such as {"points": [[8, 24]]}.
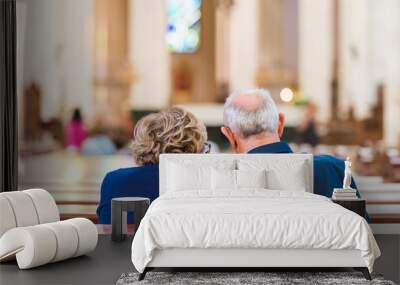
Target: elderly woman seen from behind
{"points": [[172, 131]]}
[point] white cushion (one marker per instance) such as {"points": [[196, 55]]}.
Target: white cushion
{"points": [[282, 174], [33, 246], [188, 177], [226, 179], [40, 244], [184, 175], [223, 179], [87, 235], [7, 218], [66, 237], [251, 178], [45, 205], [294, 181], [23, 208]]}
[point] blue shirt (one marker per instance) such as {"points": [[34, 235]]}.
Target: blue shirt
{"points": [[328, 170], [127, 182]]}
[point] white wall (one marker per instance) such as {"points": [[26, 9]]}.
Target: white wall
{"points": [[315, 52], [58, 54], [149, 55], [243, 44]]}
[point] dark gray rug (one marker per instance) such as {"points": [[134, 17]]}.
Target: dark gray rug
{"points": [[269, 278]]}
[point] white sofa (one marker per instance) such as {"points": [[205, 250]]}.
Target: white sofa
{"points": [[31, 231]]}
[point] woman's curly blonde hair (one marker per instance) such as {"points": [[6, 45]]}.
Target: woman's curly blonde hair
{"points": [[171, 131]]}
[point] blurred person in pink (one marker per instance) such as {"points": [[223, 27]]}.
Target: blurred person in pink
{"points": [[75, 132]]}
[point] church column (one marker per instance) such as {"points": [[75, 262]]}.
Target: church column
{"points": [[277, 45], [391, 29], [75, 55], [243, 44], [356, 89], [270, 67], [222, 35], [148, 54], [392, 102], [113, 73], [316, 52]]}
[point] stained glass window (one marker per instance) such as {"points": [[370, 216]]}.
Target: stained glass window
{"points": [[183, 25]]}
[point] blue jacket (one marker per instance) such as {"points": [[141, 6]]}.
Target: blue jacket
{"points": [[328, 170], [127, 182]]}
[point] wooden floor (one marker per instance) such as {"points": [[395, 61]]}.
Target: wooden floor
{"points": [[74, 181]]}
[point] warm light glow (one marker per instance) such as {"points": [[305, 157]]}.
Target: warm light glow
{"points": [[286, 95]]}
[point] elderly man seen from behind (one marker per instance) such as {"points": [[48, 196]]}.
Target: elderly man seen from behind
{"points": [[252, 124]]}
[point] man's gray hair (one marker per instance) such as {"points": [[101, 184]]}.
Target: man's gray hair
{"points": [[247, 123]]}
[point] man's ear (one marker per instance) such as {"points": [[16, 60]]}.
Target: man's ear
{"points": [[281, 124], [230, 136]]}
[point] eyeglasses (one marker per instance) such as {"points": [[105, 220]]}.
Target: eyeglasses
{"points": [[207, 148]]}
